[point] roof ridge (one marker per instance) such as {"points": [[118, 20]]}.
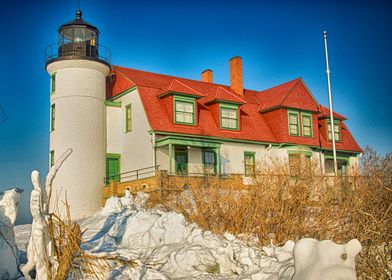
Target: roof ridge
{"points": [[125, 76], [176, 77], [279, 85], [290, 91], [191, 88]]}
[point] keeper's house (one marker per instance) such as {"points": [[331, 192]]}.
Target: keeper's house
{"points": [[187, 126], [117, 119]]}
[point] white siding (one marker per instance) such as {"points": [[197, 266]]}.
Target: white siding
{"points": [[135, 146]]}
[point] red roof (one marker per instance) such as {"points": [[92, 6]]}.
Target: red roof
{"points": [[178, 87], [222, 94], [263, 114], [324, 113]]}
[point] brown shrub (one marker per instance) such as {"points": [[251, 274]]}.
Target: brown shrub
{"points": [[282, 206]]}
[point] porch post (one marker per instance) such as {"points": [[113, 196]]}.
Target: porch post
{"points": [[170, 158], [218, 161]]}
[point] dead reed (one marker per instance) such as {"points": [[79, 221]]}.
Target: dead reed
{"points": [[282, 206]]}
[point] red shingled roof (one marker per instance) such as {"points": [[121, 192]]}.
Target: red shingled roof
{"points": [[178, 87], [263, 114], [324, 113]]}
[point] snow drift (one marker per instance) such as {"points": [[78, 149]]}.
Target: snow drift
{"points": [[9, 208]]}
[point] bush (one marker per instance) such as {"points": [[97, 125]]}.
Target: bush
{"points": [[279, 206]]}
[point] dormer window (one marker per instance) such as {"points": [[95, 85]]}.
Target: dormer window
{"points": [[293, 123], [338, 136], [184, 110], [229, 116], [306, 120], [300, 123]]}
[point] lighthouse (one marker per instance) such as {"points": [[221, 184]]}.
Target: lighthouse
{"points": [[78, 67]]}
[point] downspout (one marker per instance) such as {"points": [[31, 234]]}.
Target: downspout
{"points": [[267, 149]]}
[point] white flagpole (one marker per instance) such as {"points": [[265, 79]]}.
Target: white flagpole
{"points": [[335, 163]]}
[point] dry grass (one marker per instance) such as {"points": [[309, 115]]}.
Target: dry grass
{"points": [[281, 207], [67, 258]]}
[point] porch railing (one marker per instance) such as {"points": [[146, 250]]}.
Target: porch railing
{"points": [[133, 174]]}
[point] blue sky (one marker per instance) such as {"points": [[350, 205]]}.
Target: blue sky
{"points": [[278, 41]]}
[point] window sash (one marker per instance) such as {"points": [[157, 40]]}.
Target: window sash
{"points": [[249, 164], [51, 158], [293, 124], [336, 130], [184, 111], [53, 83], [307, 126], [209, 162], [52, 116], [229, 118], [128, 118]]}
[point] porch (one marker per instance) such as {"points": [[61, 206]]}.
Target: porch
{"points": [[187, 156]]}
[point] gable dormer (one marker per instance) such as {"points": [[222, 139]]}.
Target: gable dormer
{"points": [[225, 108], [180, 100]]}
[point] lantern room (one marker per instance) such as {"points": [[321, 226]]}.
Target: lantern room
{"points": [[78, 39]]}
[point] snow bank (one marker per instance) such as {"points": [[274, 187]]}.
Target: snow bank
{"points": [[166, 246], [9, 207], [325, 259]]}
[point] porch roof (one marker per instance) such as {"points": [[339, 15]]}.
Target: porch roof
{"points": [[184, 141]]}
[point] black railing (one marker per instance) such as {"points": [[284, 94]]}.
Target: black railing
{"points": [[83, 50], [133, 174]]}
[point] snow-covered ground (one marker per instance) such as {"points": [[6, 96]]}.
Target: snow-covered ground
{"points": [[165, 246]]}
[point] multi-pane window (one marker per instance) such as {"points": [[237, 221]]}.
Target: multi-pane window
{"points": [[299, 162], [51, 158], [342, 166], [128, 118], [52, 116], [336, 128], [229, 117], [53, 83], [184, 111], [307, 125], [209, 161], [249, 162], [293, 123]]}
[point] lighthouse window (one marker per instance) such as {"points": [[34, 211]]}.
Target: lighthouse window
{"points": [[53, 83], [128, 118], [52, 116], [51, 158]]}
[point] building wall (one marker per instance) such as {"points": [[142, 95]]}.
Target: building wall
{"points": [[80, 125], [135, 147]]}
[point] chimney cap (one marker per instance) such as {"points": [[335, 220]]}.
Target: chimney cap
{"points": [[235, 57], [207, 70]]}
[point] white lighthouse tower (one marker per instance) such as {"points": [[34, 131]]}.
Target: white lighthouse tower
{"points": [[78, 67]]}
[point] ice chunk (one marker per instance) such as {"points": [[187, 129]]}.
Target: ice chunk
{"points": [[325, 260]]}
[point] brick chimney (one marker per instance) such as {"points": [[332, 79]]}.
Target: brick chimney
{"points": [[236, 83], [206, 76]]}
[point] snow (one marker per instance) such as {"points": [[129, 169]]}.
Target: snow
{"points": [[164, 246], [325, 259], [9, 207]]}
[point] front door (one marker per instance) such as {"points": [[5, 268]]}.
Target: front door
{"points": [[181, 158], [112, 169]]}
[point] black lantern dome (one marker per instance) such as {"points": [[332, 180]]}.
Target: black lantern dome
{"points": [[78, 39], [77, 31]]}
